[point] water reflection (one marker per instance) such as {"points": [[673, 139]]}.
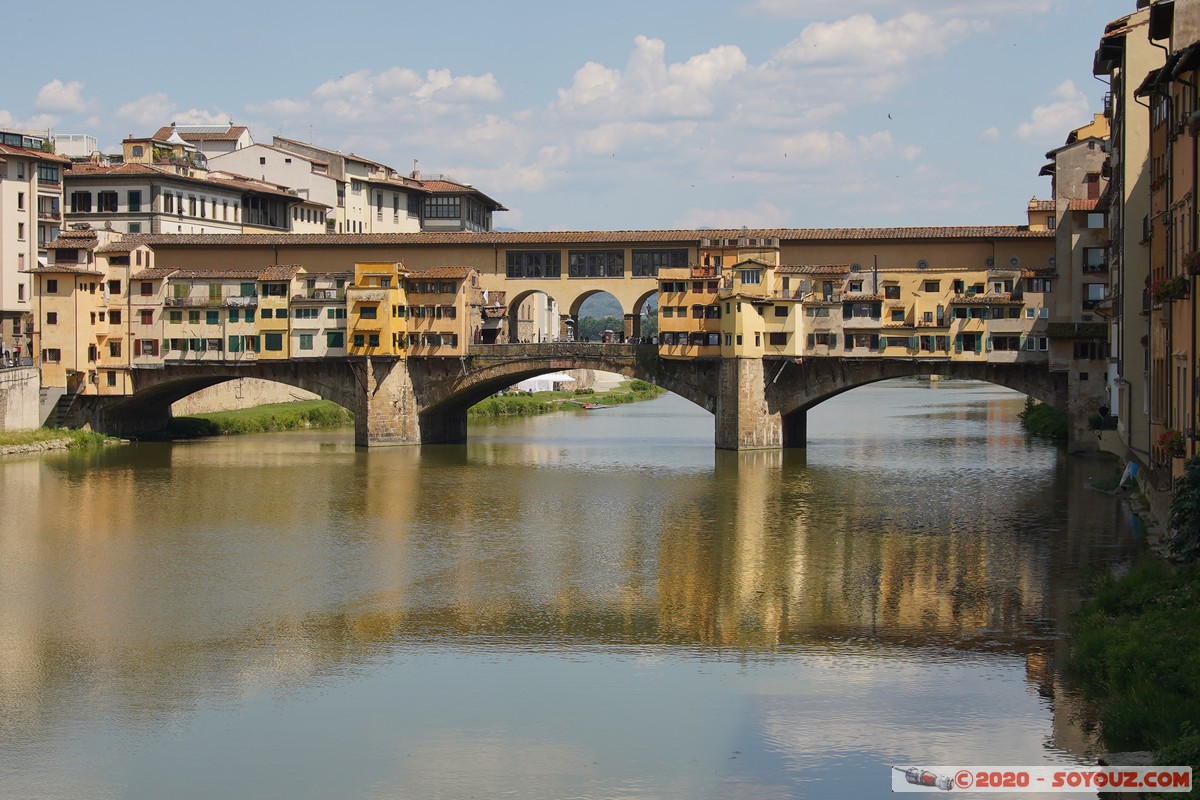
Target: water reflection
{"points": [[892, 593]]}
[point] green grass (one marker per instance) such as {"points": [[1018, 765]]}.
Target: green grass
{"points": [[514, 405], [1135, 653], [261, 419], [78, 440]]}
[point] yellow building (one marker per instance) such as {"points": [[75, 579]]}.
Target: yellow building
{"points": [[689, 319], [375, 305], [443, 314], [276, 287], [926, 311]]}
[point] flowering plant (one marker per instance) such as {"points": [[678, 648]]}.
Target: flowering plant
{"points": [[1165, 289], [1171, 440]]}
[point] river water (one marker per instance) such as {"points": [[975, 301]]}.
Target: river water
{"points": [[587, 605]]}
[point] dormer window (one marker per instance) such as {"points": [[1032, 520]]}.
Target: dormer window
{"points": [[138, 151]]}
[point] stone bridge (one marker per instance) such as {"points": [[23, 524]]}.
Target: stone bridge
{"points": [[758, 404]]}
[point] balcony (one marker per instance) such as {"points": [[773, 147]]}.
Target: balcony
{"points": [[49, 216], [1096, 268]]}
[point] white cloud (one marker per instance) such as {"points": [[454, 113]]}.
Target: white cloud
{"points": [[649, 88], [1067, 110], [62, 97], [364, 95], [863, 44], [152, 111], [38, 122], [992, 134], [763, 215]]}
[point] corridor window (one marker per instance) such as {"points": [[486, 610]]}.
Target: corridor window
{"points": [[273, 342], [596, 264], [533, 263], [646, 263]]}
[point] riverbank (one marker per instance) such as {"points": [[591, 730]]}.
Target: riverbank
{"points": [[44, 439], [1135, 643], [1135, 654], [269, 418], [519, 405], [305, 414]]}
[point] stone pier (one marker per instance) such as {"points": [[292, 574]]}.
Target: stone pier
{"points": [[744, 420]]}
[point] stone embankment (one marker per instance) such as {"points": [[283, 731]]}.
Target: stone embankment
{"points": [[35, 447]]}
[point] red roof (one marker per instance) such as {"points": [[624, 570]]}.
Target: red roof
{"points": [[566, 238], [9, 150], [230, 134]]}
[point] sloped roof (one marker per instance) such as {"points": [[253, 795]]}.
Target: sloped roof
{"points": [[202, 133], [442, 272], [589, 237]]}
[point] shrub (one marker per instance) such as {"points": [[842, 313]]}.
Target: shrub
{"points": [[1043, 420], [1185, 513]]}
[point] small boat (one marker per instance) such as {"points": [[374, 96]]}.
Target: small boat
{"points": [[593, 406]]}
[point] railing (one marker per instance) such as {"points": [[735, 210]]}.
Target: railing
{"points": [[49, 216], [1095, 268]]}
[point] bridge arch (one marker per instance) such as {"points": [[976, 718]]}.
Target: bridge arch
{"points": [[796, 387], [149, 407]]}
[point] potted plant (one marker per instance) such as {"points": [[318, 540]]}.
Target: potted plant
{"points": [[1171, 440], [1167, 289]]}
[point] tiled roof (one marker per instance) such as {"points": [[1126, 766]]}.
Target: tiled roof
{"points": [[567, 238], [223, 179], [40, 155], [74, 240], [280, 272], [815, 269], [232, 133], [441, 272], [1083, 205], [153, 274], [74, 269], [242, 274], [1041, 205]]}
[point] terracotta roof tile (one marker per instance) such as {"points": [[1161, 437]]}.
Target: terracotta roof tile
{"points": [[1041, 205], [1083, 205], [815, 269], [75, 269], [441, 272], [243, 274], [280, 272], [74, 240], [231, 134], [567, 238], [9, 150], [153, 274]]}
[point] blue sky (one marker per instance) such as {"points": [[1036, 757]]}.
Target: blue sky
{"points": [[622, 115]]}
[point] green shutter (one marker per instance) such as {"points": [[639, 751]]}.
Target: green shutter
{"points": [[958, 342], [832, 340]]}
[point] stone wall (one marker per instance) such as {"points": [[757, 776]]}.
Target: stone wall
{"points": [[19, 399], [236, 394]]}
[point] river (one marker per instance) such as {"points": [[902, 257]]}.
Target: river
{"points": [[588, 605]]}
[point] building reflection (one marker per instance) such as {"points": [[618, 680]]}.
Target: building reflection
{"points": [[192, 571]]}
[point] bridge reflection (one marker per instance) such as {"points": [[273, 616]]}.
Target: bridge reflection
{"points": [[295, 557]]}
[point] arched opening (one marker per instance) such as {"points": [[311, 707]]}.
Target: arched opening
{"points": [[533, 317], [163, 395], [600, 317], [645, 312]]}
